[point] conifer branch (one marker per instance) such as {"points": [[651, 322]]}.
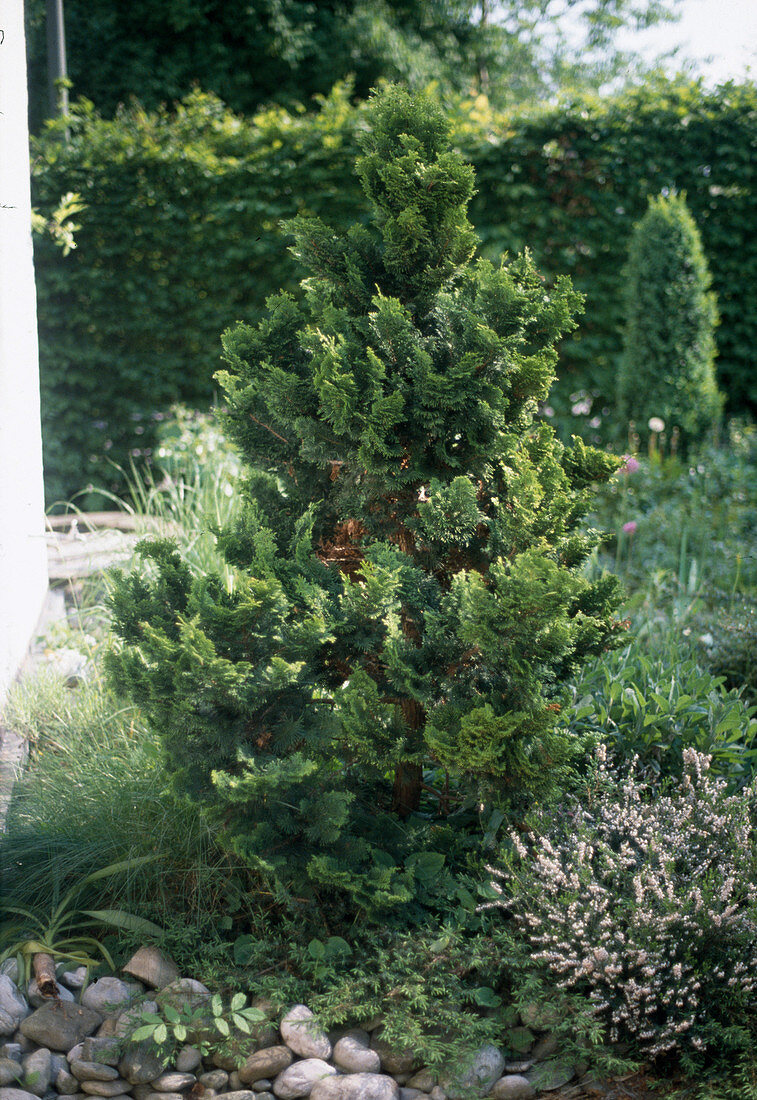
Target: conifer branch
{"points": [[268, 429]]}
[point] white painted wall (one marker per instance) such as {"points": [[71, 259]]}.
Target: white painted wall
{"points": [[23, 564]]}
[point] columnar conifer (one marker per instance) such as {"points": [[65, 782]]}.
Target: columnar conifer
{"points": [[409, 586], [668, 365]]}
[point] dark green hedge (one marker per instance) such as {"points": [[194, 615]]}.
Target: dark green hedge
{"points": [[181, 237]]}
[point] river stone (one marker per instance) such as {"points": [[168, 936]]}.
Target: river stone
{"points": [[264, 1095], [214, 1079], [10, 1050], [108, 996], [38, 1071], [75, 979], [173, 1082], [424, 1080], [241, 1094], [152, 1095], [265, 1063], [263, 1085], [10, 1072], [299, 1079], [236, 1052], [188, 1059], [93, 1071], [12, 1004], [36, 999], [121, 1027], [105, 1088], [545, 1047], [16, 1094], [60, 1025], [152, 967], [357, 1086], [8, 1023], [437, 1093], [547, 1076], [393, 1060], [141, 1064], [106, 1052], [540, 1016], [513, 1087], [353, 1053], [478, 1075], [411, 1094], [184, 992], [65, 1083], [302, 1035]]}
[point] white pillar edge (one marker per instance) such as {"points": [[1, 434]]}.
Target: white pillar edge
{"points": [[23, 556]]}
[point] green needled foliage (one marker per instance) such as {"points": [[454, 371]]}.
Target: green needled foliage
{"points": [[409, 592], [667, 370]]}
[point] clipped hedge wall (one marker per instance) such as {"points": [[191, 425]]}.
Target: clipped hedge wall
{"points": [[181, 237]]}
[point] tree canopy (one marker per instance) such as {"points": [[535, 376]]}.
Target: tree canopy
{"points": [[290, 50]]}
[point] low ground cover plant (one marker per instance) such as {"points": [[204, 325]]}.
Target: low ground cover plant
{"points": [[646, 904]]}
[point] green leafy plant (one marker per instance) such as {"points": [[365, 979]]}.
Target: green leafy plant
{"points": [[207, 1025], [656, 706], [61, 933]]}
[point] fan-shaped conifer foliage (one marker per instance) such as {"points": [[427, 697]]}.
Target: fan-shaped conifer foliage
{"points": [[409, 589]]}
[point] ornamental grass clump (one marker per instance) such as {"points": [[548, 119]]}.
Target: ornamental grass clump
{"points": [[646, 906], [409, 594]]}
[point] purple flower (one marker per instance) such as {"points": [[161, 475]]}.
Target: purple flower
{"points": [[630, 464], [630, 527]]}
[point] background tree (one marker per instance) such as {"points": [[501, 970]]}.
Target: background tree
{"points": [[668, 365], [410, 591], [290, 50]]}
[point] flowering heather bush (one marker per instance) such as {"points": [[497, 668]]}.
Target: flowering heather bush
{"points": [[645, 905]]}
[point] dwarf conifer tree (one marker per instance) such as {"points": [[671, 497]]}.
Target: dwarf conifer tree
{"points": [[409, 591], [667, 370]]}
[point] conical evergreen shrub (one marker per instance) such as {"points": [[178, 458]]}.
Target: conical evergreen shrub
{"points": [[667, 370], [384, 677]]}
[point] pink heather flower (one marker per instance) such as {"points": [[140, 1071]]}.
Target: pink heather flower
{"points": [[630, 464], [630, 527]]}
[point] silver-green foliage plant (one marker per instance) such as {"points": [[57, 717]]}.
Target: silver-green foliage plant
{"points": [[646, 905], [667, 369]]}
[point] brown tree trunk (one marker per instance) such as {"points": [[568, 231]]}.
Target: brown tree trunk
{"points": [[406, 795], [44, 971], [408, 778]]}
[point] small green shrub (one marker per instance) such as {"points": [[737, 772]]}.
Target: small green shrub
{"points": [[667, 371], [728, 647], [645, 903], [658, 706]]}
